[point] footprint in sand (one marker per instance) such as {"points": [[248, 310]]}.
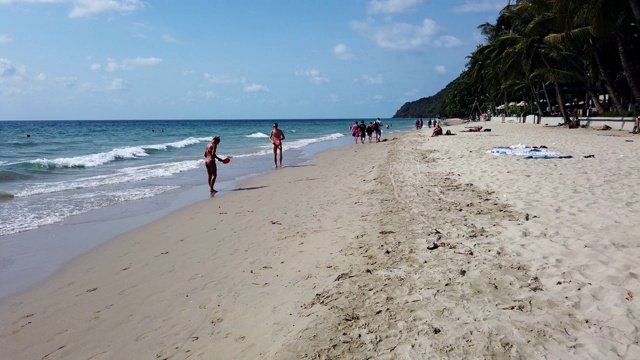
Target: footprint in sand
{"points": [[240, 338], [102, 355], [54, 354]]}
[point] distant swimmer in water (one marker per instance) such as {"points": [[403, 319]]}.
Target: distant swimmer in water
{"points": [[210, 162], [276, 136], [28, 136]]}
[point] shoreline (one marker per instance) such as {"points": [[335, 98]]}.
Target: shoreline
{"points": [[336, 258], [45, 250]]}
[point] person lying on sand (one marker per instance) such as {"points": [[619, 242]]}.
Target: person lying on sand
{"points": [[472, 129]]}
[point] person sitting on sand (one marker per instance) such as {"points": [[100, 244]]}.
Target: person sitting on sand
{"points": [[437, 131]]}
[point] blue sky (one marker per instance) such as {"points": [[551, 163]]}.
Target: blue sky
{"points": [[230, 59]]}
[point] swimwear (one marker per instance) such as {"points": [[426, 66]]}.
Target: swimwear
{"points": [[210, 163]]}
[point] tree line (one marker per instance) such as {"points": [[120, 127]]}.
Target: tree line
{"points": [[552, 55]]}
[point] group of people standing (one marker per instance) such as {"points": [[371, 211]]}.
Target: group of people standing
{"points": [[276, 136], [430, 123], [362, 130]]}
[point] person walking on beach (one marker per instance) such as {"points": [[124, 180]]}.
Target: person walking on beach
{"points": [[370, 131], [276, 136], [378, 129], [355, 132], [210, 162], [362, 131]]}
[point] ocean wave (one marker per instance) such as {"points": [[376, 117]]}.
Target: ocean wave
{"points": [[6, 175], [257, 135], [300, 143], [125, 175], [133, 152], [58, 208], [288, 145], [5, 196]]}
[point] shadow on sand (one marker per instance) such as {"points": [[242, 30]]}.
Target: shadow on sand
{"points": [[249, 188]]}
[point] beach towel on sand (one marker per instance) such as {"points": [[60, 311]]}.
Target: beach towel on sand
{"points": [[526, 152]]}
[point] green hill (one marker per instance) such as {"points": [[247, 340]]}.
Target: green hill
{"points": [[426, 107], [455, 100]]}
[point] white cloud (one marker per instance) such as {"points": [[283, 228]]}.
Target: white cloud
{"points": [[16, 92], [392, 6], [447, 41], [256, 88], [126, 64], [441, 69], [334, 97], [67, 81], [87, 87], [372, 80], [207, 95], [112, 65], [40, 77], [314, 76], [6, 68], [224, 79], [403, 36], [141, 62], [9, 71], [480, 6], [4, 39], [118, 84], [378, 98], [342, 52], [86, 8], [169, 38]]}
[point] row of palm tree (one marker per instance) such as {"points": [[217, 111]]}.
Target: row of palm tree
{"points": [[542, 47]]}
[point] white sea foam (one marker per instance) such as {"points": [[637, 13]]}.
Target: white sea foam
{"points": [[125, 175], [257, 135], [177, 144], [297, 144], [58, 208], [93, 160], [286, 145]]}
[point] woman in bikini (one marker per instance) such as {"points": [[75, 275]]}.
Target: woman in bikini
{"points": [[276, 136], [210, 162], [355, 132]]}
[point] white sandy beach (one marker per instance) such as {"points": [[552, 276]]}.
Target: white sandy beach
{"points": [[534, 259]]}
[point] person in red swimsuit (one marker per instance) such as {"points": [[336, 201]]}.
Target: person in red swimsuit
{"points": [[276, 136]]}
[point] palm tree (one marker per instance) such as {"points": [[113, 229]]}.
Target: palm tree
{"points": [[602, 24], [635, 8]]}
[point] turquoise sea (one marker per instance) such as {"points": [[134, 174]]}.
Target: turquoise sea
{"points": [[58, 175]]}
